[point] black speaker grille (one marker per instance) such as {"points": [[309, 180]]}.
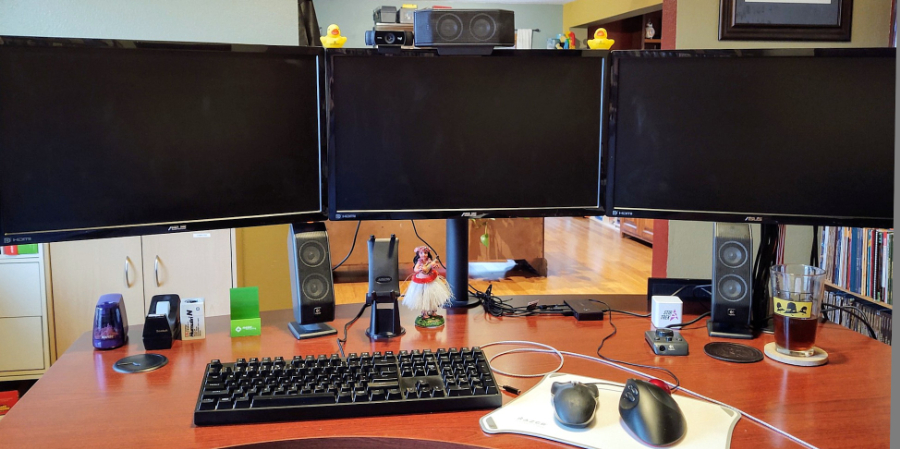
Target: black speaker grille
{"points": [[731, 287], [483, 27], [733, 254], [315, 287], [449, 27], [312, 253]]}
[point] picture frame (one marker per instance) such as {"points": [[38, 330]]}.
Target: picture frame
{"points": [[785, 20]]}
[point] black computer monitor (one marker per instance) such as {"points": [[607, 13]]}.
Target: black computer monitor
{"points": [[111, 138], [799, 136], [417, 135], [414, 134]]}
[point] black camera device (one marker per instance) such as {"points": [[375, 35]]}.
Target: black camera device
{"points": [[388, 38]]}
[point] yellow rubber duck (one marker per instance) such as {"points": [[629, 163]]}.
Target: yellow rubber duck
{"points": [[333, 38], [600, 41]]}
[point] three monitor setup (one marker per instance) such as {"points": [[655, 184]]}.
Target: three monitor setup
{"points": [[112, 138]]}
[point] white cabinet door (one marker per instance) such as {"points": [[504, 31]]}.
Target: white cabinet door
{"points": [[83, 271], [27, 353], [190, 265], [20, 289]]}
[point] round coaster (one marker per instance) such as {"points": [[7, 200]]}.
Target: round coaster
{"points": [[733, 352], [818, 358], [140, 363]]}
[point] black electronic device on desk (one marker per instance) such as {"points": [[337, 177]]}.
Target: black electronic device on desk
{"points": [[161, 326], [329, 386], [650, 413], [216, 151], [666, 342], [470, 132]]}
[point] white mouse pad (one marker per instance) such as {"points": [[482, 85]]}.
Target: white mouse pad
{"points": [[708, 425]]}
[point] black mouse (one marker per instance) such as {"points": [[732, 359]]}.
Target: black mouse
{"points": [[651, 413], [574, 403]]}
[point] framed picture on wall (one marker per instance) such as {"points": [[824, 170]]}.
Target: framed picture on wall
{"points": [[790, 20]]}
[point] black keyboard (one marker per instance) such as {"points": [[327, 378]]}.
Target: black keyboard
{"points": [[329, 386]]}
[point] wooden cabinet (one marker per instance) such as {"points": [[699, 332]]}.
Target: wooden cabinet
{"points": [[24, 330], [188, 264], [639, 228]]}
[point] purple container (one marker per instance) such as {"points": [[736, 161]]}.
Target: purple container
{"points": [[110, 322]]}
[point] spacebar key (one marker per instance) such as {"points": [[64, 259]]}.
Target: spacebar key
{"points": [[288, 401]]}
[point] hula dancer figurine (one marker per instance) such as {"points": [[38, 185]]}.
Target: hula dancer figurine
{"points": [[427, 292]]}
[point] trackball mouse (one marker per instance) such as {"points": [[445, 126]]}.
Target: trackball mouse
{"points": [[651, 413], [574, 403]]}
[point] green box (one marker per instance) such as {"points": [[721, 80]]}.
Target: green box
{"points": [[245, 312], [28, 249]]}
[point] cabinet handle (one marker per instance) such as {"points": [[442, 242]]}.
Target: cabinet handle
{"points": [[156, 269], [127, 282]]}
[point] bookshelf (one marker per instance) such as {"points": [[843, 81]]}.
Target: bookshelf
{"points": [[858, 264], [873, 301], [629, 32], [859, 261]]}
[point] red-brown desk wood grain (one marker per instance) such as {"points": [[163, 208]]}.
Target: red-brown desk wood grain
{"points": [[82, 402]]}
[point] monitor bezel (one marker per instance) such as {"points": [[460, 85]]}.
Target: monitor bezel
{"points": [[167, 227], [721, 216], [338, 215]]}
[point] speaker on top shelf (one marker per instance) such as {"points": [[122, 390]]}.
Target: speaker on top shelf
{"points": [[312, 285], [464, 28], [732, 275]]}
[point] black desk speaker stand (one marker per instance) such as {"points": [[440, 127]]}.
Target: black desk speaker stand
{"points": [[385, 322]]}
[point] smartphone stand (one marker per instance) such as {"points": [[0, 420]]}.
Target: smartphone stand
{"points": [[385, 322]]}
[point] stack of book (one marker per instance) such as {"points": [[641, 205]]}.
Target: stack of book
{"points": [[856, 314], [859, 260]]}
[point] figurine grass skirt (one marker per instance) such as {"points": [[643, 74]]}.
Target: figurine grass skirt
{"points": [[427, 296]]}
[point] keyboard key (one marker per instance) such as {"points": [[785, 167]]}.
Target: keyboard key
{"points": [[288, 401], [377, 395]]}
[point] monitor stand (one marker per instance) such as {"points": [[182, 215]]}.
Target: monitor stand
{"points": [[458, 264], [302, 331]]}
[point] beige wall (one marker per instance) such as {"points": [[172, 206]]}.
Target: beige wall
{"points": [[690, 243], [581, 13], [698, 27]]}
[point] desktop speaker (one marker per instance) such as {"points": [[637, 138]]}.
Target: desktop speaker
{"points": [[384, 265], [732, 274], [312, 286], [464, 27]]}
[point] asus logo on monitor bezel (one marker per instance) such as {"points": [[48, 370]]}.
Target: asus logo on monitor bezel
{"points": [[178, 228], [754, 219]]}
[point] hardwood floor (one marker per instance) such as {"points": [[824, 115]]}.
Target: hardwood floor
{"points": [[583, 256]]}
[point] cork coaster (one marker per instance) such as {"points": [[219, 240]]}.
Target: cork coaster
{"points": [[820, 357]]}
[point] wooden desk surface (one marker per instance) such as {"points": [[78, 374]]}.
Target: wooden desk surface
{"points": [[82, 402]]}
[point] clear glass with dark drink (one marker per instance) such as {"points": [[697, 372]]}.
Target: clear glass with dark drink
{"points": [[797, 291]]}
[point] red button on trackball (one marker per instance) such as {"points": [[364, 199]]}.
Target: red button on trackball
{"points": [[661, 384]]}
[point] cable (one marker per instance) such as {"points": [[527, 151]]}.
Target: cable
{"points": [[549, 349], [814, 254], [851, 311], [499, 307], [681, 325], [437, 256], [615, 330], [352, 246], [765, 258], [347, 326], [638, 373]]}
